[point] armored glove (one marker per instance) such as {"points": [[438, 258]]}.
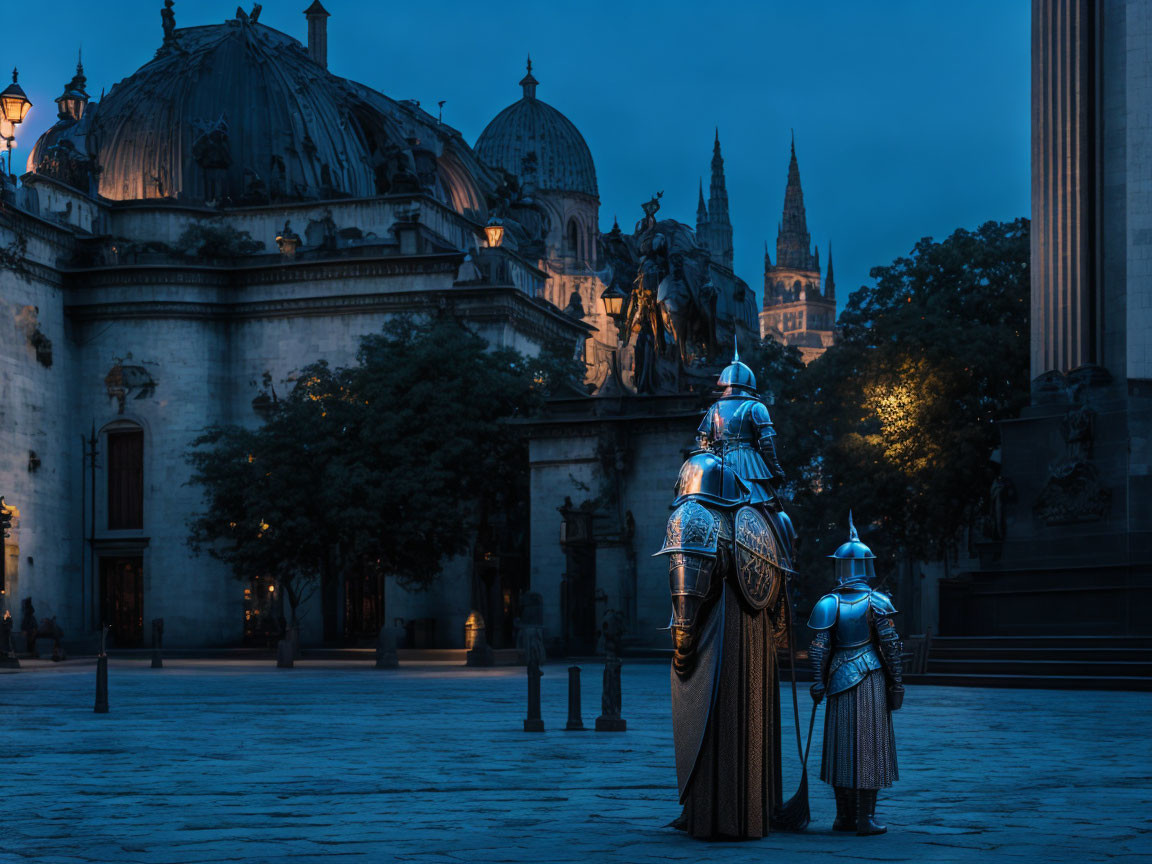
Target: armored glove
{"points": [[893, 662], [818, 655], [685, 657], [895, 697]]}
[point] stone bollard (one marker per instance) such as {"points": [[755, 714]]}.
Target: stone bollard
{"points": [[102, 674], [157, 642], [286, 650], [386, 657], [533, 722], [610, 699], [575, 724], [8, 657]]}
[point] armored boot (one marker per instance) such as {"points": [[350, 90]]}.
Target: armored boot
{"points": [[866, 823], [845, 809]]}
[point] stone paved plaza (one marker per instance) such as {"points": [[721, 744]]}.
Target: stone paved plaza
{"points": [[228, 761]]}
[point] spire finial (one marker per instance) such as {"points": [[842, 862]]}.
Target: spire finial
{"points": [[15, 74], [80, 60], [735, 349], [529, 82], [793, 133], [852, 535]]}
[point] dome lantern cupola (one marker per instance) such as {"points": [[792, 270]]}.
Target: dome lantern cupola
{"points": [[529, 82], [71, 103], [532, 131]]}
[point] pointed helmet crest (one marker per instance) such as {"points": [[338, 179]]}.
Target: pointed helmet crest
{"points": [[854, 560], [736, 377]]}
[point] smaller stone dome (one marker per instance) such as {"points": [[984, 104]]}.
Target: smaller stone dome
{"points": [[532, 134]]}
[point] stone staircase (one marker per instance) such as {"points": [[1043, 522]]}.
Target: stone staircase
{"points": [[1053, 662]]}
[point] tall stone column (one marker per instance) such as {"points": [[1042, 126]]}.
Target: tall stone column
{"points": [[1065, 307]]}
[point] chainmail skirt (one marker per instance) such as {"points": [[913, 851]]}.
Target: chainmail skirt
{"points": [[859, 744]]}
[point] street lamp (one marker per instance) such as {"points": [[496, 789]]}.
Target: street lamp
{"points": [[495, 232], [14, 106], [614, 301]]}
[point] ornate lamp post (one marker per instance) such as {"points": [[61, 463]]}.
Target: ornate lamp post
{"points": [[614, 301], [494, 231], [14, 106], [615, 304]]}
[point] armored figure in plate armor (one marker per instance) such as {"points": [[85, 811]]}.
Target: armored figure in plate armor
{"points": [[738, 429], [856, 663], [729, 556]]}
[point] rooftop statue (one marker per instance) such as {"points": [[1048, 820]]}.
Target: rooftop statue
{"points": [[679, 310]]}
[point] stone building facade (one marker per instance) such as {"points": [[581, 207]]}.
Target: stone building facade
{"points": [[534, 142], [798, 310], [1069, 528], [161, 272]]}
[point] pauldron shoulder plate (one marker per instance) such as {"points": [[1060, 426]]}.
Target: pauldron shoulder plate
{"points": [[824, 612], [692, 528], [881, 604]]}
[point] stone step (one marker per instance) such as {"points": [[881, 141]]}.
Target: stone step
{"points": [[1072, 654], [1001, 642], [1047, 682], [1025, 666]]}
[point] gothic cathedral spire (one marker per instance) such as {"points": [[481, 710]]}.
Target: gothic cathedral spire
{"points": [[794, 243], [702, 217], [829, 282], [718, 237]]}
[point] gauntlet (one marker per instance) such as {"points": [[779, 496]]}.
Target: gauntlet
{"points": [[893, 663], [818, 655]]}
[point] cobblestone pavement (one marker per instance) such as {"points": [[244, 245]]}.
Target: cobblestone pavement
{"points": [[225, 761]]}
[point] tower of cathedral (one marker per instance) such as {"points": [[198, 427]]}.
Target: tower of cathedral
{"points": [[713, 227], [796, 311]]}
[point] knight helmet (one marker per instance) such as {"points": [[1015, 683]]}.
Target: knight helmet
{"points": [[708, 478], [736, 379], [854, 560]]}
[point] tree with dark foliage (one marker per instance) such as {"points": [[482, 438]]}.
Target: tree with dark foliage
{"points": [[898, 420], [380, 468]]}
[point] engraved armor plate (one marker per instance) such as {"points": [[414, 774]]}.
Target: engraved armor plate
{"points": [[760, 560], [691, 528]]}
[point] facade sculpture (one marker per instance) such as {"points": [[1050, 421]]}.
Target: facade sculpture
{"points": [[856, 663], [729, 554]]}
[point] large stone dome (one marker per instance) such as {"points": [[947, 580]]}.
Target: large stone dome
{"points": [[240, 112], [529, 126]]}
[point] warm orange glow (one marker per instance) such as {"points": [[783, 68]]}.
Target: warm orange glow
{"points": [[495, 231], [14, 102], [271, 588]]}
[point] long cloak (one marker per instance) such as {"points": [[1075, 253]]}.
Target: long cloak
{"points": [[726, 724]]}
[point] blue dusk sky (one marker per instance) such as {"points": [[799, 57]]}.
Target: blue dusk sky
{"points": [[911, 117]]}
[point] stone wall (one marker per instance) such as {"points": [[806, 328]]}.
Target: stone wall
{"points": [[36, 416], [620, 468]]}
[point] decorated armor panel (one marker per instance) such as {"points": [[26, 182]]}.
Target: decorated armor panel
{"points": [[693, 528], [850, 666], [760, 558]]}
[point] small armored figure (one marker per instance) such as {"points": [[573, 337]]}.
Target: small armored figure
{"points": [[738, 429], [856, 663], [728, 559]]}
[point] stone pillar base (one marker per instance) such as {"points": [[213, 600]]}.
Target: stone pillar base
{"points": [[611, 724]]}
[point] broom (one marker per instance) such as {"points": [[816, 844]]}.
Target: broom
{"points": [[795, 814]]}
